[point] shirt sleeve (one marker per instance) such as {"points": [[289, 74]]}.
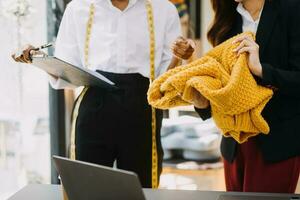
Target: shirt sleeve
{"points": [[172, 32], [66, 47], [58, 83]]}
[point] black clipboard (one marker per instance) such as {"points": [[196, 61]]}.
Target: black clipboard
{"points": [[75, 75]]}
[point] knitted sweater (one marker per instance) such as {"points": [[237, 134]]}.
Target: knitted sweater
{"points": [[225, 80]]}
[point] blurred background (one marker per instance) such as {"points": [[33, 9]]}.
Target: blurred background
{"points": [[35, 119]]}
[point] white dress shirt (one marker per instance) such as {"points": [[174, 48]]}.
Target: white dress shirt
{"points": [[248, 23], [119, 39]]}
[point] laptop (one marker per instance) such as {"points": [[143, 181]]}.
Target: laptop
{"points": [[82, 181], [86, 181]]}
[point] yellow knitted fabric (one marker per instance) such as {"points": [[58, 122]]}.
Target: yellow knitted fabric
{"points": [[225, 80]]}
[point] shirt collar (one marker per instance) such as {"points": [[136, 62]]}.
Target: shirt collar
{"points": [[130, 4], [245, 14]]}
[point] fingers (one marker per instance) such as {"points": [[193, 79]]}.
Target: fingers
{"points": [[244, 43], [247, 44], [180, 45], [178, 50], [249, 40], [181, 42], [245, 49], [182, 54], [180, 39], [14, 57], [178, 55], [183, 48], [182, 51], [27, 55], [24, 56], [20, 59], [244, 37]]}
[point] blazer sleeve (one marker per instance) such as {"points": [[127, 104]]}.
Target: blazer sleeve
{"points": [[287, 81], [204, 113]]}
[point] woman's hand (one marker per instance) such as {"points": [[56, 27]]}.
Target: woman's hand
{"points": [[198, 100], [24, 56], [183, 48], [248, 45]]}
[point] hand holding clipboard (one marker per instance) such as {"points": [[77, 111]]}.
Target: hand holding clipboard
{"points": [[58, 68], [25, 55]]}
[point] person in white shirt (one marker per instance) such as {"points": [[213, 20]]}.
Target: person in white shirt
{"points": [[129, 42]]}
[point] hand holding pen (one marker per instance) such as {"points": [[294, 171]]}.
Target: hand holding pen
{"points": [[25, 55]]}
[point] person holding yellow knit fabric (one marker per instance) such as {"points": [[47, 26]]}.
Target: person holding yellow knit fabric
{"points": [[271, 162], [225, 80], [250, 85]]}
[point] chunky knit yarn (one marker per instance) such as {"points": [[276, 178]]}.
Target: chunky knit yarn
{"points": [[225, 80]]}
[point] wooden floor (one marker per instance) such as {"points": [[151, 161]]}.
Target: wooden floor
{"points": [[195, 179]]}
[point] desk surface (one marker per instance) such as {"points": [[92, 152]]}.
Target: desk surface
{"points": [[53, 192]]}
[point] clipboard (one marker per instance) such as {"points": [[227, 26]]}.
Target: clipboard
{"points": [[75, 75]]}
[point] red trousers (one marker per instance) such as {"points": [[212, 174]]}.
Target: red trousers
{"points": [[250, 173]]}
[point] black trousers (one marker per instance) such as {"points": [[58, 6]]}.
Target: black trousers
{"points": [[116, 125]]}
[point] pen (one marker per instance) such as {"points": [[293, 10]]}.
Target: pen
{"points": [[44, 46], [20, 52]]}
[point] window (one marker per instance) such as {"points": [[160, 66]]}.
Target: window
{"points": [[24, 116]]}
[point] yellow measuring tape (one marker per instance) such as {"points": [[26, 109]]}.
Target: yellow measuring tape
{"points": [[152, 77], [83, 92]]}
